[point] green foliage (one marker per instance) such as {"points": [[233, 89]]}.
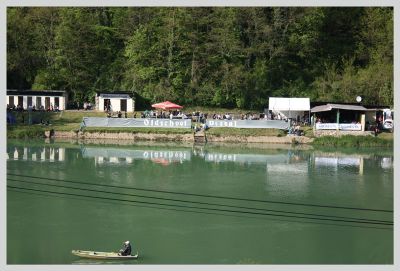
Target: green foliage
{"points": [[208, 56], [352, 141], [25, 132]]}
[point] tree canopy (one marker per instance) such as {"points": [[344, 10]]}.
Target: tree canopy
{"points": [[205, 56]]}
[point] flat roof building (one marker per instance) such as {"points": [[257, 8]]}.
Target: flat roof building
{"points": [[38, 99], [116, 101]]}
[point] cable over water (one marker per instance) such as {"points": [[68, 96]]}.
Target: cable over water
{"points": [[212, 196]]}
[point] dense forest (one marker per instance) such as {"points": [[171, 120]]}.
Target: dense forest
{"points": [[211, 56]]}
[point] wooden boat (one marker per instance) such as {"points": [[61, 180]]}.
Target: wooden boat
{"points": [[103, 255]]}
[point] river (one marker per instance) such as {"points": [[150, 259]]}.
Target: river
{"points": [[198, 204]]}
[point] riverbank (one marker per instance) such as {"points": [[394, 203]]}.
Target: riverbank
{"points": [[66, 125], [219, 135]]}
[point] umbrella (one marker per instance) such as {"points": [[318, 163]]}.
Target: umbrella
{"points": [[167, 105]]}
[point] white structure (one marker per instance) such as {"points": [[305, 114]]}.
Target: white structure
{"points": [[123, 102], [33, 98], [291, 108], [49, 154]]}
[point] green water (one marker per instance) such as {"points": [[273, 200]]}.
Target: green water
{"points": [[213, 204]]}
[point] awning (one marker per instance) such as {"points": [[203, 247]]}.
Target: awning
{"points": [[167, 105], [329, 107]]}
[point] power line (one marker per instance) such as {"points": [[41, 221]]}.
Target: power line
{"points": [[83, 197], [354, 219], [222, 210], [211, 196]]}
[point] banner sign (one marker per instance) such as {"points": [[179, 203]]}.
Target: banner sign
{"points": [[342, 126], [350, 127], [131, 122], [277, 124]]}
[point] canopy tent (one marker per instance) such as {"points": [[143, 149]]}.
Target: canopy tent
{"points": [[289, 104], [167, 105], [289, 107]]}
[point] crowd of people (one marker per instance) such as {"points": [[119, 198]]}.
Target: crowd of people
{"points": [[201, 117]]}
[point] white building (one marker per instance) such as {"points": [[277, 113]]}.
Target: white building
{"points": [[123, 102], [36, 98]]}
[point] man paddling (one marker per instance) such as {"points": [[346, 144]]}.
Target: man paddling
{"points": [[126, 250]]}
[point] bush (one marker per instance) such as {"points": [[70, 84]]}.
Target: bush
{"points": [[25, 132]]}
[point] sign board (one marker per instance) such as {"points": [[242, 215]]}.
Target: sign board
{"points": [[341, 126], [134, 122], [277, 124]]}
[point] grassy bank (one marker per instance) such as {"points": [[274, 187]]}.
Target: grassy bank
{"points": [[69, 121], [25, 131], [138, 130], [352, 141], [245, 132]]}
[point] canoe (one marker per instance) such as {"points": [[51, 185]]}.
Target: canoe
{"points": [[103, 255]]}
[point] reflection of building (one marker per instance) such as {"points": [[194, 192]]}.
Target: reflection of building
{"points": [[292, 168], [49, 154], [336, 162], [126, 156], [387, 163], [245, 158], [290, 177]]}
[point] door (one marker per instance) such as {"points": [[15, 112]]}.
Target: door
{"points": [[123, 105], [29, 101], [21, 101], [38, 102], [11, 101], [47, 103], [107, 105]]}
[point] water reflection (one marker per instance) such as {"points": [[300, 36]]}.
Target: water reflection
{"points": [[387, 162], [283, 161], [40, 154], [127, 156]]}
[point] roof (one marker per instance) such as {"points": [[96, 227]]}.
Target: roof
{"points": [[286, 104], [329, 107], [15, 92], [115, 95]]}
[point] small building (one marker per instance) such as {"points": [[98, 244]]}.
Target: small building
{"points": [[339, 117], [37, 99], [297, 109], [117, 101]]}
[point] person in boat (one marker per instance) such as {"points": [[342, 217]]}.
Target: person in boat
{"points": [[126, 250]]}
